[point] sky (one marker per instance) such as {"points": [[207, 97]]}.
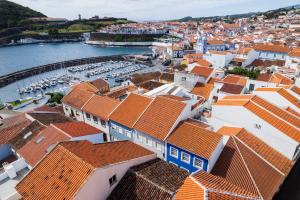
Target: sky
{"points": [[146, 10]]}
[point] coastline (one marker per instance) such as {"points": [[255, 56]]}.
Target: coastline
{"points": [[104, 43]]}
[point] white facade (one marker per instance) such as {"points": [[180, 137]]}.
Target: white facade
{"points": [[293, 62], [97, 186], [268, 55], [253, 84], [241, 117], [73, 112], [96, 122], [249, 58], [219, 60]]}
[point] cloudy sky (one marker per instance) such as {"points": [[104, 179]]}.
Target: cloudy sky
{"points": [[141, 10]]}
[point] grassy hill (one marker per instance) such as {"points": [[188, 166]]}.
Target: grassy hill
{"points": [[12, 14]]}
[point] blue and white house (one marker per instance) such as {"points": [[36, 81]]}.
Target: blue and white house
{"points": [[192, 147], [203, 45]]}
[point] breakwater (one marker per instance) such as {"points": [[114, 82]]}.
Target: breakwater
{"points": [[19, 75]]}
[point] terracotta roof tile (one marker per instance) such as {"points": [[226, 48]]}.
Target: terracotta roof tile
{"points": [[266, 77], [292, 111], [195, 139], [129, 111], [190, 190], [76, 129], [232, 88], [159, 118], [39, 145], [59, 176], [64, 171], [202, 71], [203, 63], [295, 52], [86, 86], [229, 131], [77, 98], [100, 106], [203, 90], [100, 83], [279, 161], [235, 79], [12, 127], [296, 89], [272, 48]]}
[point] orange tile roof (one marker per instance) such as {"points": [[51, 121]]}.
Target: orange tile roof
{"points": [[244, 50], [235, 79], [296, 89], [159, 118], [101, 106], [76, 129], [77, 98], [203, 90], [218, 52], [202, 71], [243, 167], [203, 63], [129, 111], [190, 190], [215, 42], [229, 131], [292, 111], [278, 160], [59, 176], [295, 52], [65, 170], [12, 127], [272, 48], [195, 139], [86, 86], [232, 88], [37, 147], [280, 79]]}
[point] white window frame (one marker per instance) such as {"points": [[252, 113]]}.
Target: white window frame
{"points": [[199, 167], [172, 155], [189, 156], [148, 141], [158, 146], [128, 133], [113, 126], [120, 130], [88, 118]]}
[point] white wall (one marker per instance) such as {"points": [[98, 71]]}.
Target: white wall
{"points": [[242, 117], [215, 155], [97, 185], [96, 125], [78, 114], [95, 138]]}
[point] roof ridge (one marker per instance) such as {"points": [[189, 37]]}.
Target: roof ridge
{"points": [[239, 152], [260, 155], [87, 102]]}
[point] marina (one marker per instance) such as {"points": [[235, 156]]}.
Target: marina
{"points": [[114, 72]]}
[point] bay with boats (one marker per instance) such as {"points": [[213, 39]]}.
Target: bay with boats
{"points": [[61, 79]]}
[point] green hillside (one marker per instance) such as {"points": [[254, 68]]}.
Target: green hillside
{"points": [[12, 14]]}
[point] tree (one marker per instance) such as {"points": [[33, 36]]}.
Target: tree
{"points": [[53, 31], [55, 97]]}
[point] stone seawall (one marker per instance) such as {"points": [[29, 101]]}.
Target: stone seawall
{"points": [[19, 75]]}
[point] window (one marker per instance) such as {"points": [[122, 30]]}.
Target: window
{"points": [[183, 78], [148, 142], [128, 134], [120, 130], [113, 180], [185, 157], [173, 152], [140, 138], [113, 126], [27, 135], [103, 123], [66, 108], [88, 116], [77, 113], [95, 120], [198, 163]]}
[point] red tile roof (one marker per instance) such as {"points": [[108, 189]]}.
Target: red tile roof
{"points": [[62, 173], [76, 129], [37, 147], [202, 71], [235, 79], [232, 88], [12, 127], [129, 111], [272, 48], [86, 86], [160, 117], [101, 106], [195, 139], [77, 98], [203, 90]]}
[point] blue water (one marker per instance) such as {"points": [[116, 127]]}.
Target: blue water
{"points": [[15, 58]]}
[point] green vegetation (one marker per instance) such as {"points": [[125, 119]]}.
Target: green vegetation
{"points": [[56, 97], [1, 104], [19, 102], [12, 14], [252, 74]]}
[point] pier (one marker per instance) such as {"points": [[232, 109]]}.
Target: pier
{"points": [[19, 75]]}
